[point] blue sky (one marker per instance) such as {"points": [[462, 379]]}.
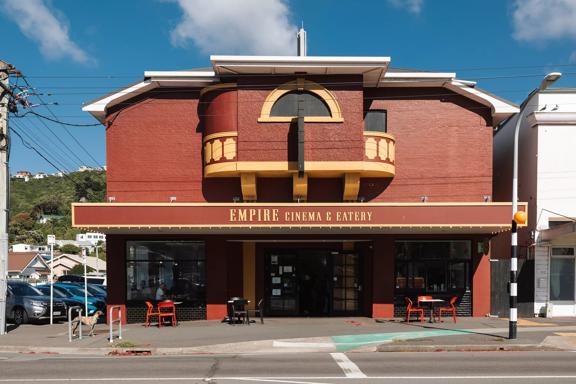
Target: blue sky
{"points": [[73, 51]]}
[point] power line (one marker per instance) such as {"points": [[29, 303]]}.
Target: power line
{"points": [[63, 126], [59, 121], [64, 162]]}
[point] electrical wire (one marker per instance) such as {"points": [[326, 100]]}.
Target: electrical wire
{"points": [[59, 121], [63, 126]]}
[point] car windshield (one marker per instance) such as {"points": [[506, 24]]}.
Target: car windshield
{"points": [[46, 290], [95, 291], [23, 289], [78, 292]]}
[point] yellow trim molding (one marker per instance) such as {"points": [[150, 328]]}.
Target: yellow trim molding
{"points": [[248, 185], [299, 187], [216, 87], [301, 85], [351, 186], [249, 275], [220, 134], [313, 168], [380, 134]]}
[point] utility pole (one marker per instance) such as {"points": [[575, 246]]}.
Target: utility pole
{"points": [[5, 94]]}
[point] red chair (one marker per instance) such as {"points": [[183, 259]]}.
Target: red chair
{"points": [[167, 309], [451, 308], [151, 313], [410, 308]]}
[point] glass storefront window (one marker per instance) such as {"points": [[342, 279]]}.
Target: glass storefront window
{"points": [[433, 265], [158, 270]]}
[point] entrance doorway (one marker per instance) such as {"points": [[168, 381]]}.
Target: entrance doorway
{"points": [[304, 282]]}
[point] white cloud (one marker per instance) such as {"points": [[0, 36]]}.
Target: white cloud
{"points": [[46, 27], [413, 6], [542, 20], [260, 27], [573, 57]]}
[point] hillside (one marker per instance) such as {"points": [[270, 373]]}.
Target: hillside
{"points": [[51, 196]]}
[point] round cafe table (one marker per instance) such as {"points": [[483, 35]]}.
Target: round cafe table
{"points": [[431, 305]]}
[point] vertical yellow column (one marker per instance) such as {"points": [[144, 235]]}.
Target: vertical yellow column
{"points": [[249, 262]]}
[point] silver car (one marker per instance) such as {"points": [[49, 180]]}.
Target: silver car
{"points": [[25, 303]]}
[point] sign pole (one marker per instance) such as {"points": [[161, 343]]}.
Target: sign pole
{"points": [[85, 282], [51, 241]]}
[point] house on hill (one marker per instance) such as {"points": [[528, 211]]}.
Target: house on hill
{"points": [[27, 265]]}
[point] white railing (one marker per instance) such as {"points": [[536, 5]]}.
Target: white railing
{"points": [[79, 309], [112, 321]]}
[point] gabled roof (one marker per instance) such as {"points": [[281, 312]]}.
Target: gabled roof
{"points": [[19, 261], [375, 72]]}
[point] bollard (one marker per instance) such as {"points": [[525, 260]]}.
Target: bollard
{"points": [[111, 321], [70, 322]]}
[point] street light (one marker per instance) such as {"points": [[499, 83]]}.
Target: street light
{"points": [[548, 80]]}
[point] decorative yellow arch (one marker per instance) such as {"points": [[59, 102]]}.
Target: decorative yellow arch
{"points": [[301, 84]]}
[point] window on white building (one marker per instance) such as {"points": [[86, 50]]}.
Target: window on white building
{"points": [[562, 268]]}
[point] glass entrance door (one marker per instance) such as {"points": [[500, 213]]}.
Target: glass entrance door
{"points": [[313, 282], [346, 283]]}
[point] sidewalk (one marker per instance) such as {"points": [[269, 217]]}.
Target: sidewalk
{"points": [[301, 335]]}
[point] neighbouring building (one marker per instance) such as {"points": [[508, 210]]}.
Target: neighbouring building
{"points": [[547, 181], [20, 247], [28, 266], [325, 186], [65, 262], [24, 175]]}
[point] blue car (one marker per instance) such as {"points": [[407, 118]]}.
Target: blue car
{"points": [[93, 289], [67, 299], [77, 293]]}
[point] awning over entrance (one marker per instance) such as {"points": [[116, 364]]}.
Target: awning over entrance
{"points": [[306, 218]]}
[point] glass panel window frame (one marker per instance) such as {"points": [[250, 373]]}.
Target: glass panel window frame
{"points": [[562, 283], [433, 266], [376, 120], [166, 269]]}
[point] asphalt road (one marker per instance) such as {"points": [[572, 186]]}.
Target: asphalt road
{"points": [[297, 368]]}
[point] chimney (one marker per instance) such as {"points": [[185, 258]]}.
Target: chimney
{"points": [[302, 42]]}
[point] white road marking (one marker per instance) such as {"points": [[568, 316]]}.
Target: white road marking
{"points": [[245, 378], [350, 369], [288, 344], [281, 381]]}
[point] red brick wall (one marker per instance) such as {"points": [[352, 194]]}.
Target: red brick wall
{"points": [[278, 141], [443, 146]]}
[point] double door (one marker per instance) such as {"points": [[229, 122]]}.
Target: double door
{"points": [[313, 283]]}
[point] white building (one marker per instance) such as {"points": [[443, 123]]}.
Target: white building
{"points": [[92, 237], [547, 181], [30, 248], [40, 175], [24, 175]]}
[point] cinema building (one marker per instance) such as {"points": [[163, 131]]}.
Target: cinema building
{"points": [[324, 186]]}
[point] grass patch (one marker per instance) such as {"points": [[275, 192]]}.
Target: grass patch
{"points": [[125, 344]]}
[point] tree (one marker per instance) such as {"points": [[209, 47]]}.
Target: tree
{"points": [[78, 269], [70, 248]]}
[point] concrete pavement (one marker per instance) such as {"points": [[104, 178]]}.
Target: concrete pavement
{"points": [[296, 335]]}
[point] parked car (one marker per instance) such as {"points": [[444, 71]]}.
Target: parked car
{"points": [[67, 299], [95, 290], [77, 293], [101, 280], [25, 303]]}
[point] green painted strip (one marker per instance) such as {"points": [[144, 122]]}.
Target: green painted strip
{"points": [[348, 342]]}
